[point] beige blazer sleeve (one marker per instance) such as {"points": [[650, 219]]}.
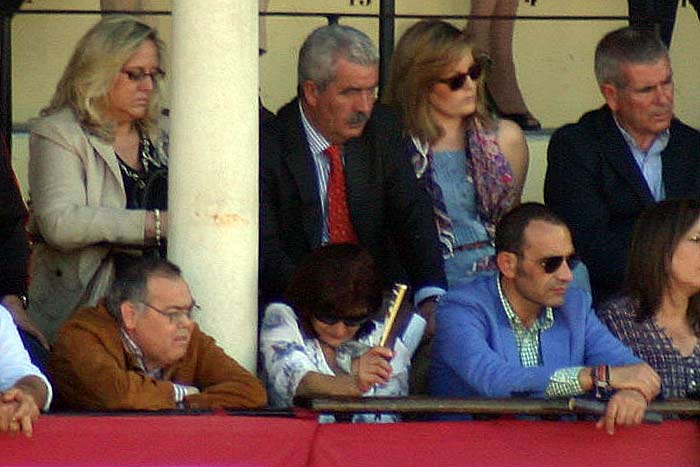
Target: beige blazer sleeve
{"points": [[76, 189]]}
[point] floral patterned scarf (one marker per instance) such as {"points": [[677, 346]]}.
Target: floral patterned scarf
{"points": [[492, 176]]}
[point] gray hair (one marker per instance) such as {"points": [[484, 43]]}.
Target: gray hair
{"points": [[131, 281], [320, 52], [624, 46]]}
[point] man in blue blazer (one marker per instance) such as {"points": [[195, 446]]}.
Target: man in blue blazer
{"points": [[605, 169], [525, 333], [391, 216]]}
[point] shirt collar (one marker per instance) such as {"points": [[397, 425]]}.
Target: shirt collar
{"points": [[134, 350], [317, 142], [661, 139], [543, 322]]}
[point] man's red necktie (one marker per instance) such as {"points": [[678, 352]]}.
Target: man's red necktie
{"points": [[339, 222]]}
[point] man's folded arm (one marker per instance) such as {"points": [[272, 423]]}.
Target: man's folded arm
{"points": [[221, 380], [90, 376], [462, 333]]}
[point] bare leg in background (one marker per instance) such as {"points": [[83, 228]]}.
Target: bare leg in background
{"points": [[496, 38]]}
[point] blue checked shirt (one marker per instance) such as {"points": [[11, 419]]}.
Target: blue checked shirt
{"points": [[564, 382]]}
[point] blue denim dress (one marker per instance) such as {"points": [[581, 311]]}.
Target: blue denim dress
{"points": [[450, 171]]}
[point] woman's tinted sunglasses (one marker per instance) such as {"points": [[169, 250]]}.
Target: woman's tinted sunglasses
{"points": [[456, 82], [350, 322]]}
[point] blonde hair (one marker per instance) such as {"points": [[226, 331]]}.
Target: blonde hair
{"points": [[423, 53], [93, 69]]}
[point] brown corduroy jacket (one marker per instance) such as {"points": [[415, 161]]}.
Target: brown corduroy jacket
{"points": [[92, 370]]}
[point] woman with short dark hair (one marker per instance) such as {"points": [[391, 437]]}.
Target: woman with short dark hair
{"points": [[325, 338], [659, 315]]}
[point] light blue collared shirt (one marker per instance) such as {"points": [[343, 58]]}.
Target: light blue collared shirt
{"points": [[649, 162], [317, 145]]}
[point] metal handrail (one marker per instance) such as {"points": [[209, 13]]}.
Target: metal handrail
{"points": [[442, 405]]}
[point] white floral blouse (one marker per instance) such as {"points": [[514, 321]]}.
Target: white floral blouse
{"points": [[289, 354]]}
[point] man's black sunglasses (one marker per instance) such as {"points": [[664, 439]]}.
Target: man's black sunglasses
{"points": [[350, 322], [553, 263], [457, 81]]}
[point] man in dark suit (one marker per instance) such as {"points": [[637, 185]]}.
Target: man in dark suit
{"points": [[605, 169], [338, 76]]}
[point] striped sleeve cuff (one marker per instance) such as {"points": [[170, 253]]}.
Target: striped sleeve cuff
{"points": [[564, 383], [180, 392]]}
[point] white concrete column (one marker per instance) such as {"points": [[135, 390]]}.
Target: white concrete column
{"points": [[213, 191]]}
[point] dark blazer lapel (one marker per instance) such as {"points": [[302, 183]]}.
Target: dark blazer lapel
{"points": [[619, 155], [301, 165], [676, 167], [356, 182]]}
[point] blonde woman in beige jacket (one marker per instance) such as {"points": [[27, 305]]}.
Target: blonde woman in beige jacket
{"points": [[91, 156]]}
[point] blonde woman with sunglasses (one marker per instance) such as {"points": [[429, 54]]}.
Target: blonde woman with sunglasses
{"points": [[472, 164]]}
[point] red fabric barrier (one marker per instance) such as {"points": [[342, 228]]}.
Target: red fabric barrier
{"points": [[225, 441], [512, 443], [207, 440]]}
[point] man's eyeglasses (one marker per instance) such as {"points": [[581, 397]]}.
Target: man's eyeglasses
{"points": [[176, 316], [552, 264], [456, 82], [139, 74], [349, 322]]}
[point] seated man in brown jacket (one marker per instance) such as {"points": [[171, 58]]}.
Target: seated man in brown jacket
{"points": [[141, 350]]}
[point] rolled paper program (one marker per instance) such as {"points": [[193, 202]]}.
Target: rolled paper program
{"points": [[399, 292]]}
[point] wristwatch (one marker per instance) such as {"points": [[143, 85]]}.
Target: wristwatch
{"points": [[601, 382]]}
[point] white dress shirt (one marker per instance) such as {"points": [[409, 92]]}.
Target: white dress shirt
{"points": [[14, 359]]}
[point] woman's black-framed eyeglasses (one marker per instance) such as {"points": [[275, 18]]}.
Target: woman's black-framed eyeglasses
{"points": [[139, 74]]}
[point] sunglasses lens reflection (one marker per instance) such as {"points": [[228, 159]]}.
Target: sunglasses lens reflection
{"points": [[350, 322], [475, 71], [457, 82], [553, 264]]}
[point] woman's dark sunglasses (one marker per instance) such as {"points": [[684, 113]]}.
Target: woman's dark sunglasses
{"points": [[553, 263], [457, 81], [350, 322]]}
